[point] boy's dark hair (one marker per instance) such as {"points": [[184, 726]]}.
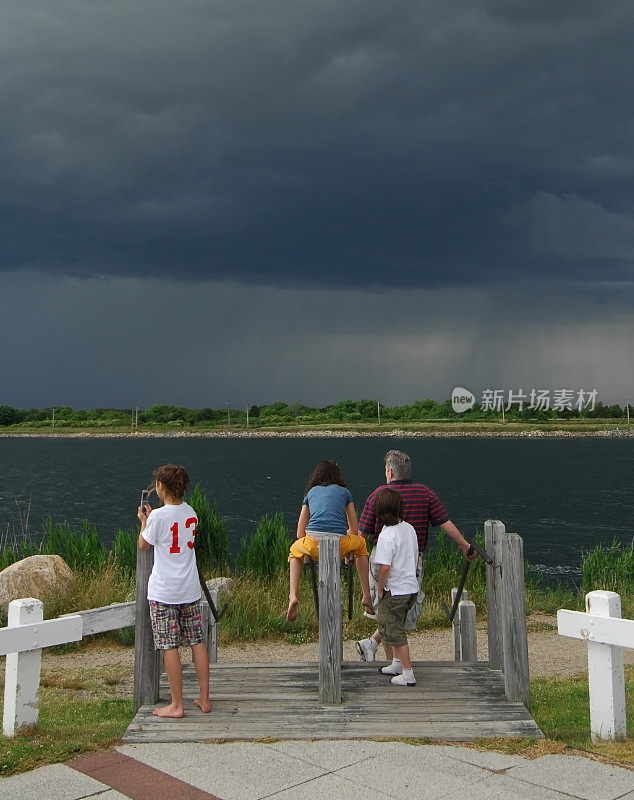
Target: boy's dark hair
{"points": [[325, 474], [174, 479], [388, 507]]}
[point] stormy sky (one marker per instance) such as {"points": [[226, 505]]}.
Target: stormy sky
{"points": [[209, 202]]}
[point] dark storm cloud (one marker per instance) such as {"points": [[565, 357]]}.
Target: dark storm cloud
{"points": [[335, 142], [125, 342]]}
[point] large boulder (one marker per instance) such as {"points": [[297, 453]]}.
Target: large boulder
{"points": [[35, 576]]}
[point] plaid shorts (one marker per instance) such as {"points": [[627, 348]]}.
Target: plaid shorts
{"points": [[177, 625]]}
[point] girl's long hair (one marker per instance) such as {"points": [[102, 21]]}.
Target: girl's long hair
{"points": [[174, 479], [325, 474]]}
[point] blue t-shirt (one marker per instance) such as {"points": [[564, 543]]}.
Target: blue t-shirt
{"points": [[327, 506]]}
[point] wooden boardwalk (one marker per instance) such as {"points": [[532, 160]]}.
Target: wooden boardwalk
{"points": [[451, 702]]}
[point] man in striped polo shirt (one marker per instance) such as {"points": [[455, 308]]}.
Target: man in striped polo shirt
{"points": [[421, 507]]}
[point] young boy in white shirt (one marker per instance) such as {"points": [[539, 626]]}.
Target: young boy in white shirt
{"points": [[397, 554]]}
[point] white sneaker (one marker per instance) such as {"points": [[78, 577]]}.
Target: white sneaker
{"points": [[401, 680], [391, 669], [366, 651]]}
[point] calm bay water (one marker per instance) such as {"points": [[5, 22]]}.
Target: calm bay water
{"points": [[560, 495]]}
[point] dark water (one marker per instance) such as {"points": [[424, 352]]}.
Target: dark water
{"points": [[560, 495]]}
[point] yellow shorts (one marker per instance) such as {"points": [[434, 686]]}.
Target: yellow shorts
{"points": [[307, 546]]}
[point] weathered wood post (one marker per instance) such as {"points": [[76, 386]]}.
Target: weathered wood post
{"points": [[147, 660], [494, 530], [330, 619], [456, 623], [210, 627], [514, 631], [465, 645], [468, 636]]}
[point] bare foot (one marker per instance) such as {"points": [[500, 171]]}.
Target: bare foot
{"points": [[367, 604], [172, 711], [205, 706], [291, 612]]}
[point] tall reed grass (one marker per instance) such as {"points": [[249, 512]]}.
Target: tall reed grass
{"points": [[103, 575], [609, 567], [265, 552], [212, 539]]}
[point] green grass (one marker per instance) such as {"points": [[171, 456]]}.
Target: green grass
{"points": [[560, 706], [265, 552], [67, 726]]}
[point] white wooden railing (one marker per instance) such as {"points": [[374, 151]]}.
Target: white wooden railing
{"points": [[27, 633], [607, 634]]}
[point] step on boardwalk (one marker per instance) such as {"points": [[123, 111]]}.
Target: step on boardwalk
{"points": [[451, 702]]}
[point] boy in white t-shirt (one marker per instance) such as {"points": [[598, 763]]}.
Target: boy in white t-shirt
{"points": [[174, 588], [397, 554]]}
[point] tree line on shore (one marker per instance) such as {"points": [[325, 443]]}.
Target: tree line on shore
{"points": [[281, 414]]}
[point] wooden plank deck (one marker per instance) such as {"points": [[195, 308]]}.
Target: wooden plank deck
{"points": [[451, 702]]}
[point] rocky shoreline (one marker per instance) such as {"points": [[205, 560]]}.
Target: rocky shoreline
{"points": [[396, 433]]}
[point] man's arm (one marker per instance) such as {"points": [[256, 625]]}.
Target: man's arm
{"points": [[450, 529], [367, 520]]}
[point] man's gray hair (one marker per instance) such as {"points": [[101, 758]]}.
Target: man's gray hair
{"points": [[400, 463]]}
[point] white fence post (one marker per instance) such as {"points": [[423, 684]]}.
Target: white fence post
{"points": [[606, 675], [22, 642], [606, 634], [22, 677]]}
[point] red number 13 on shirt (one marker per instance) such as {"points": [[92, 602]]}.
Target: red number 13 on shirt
{"points": [[175, 548]]}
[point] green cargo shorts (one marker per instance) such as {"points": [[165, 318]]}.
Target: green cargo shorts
{"points": [[392, 613]]}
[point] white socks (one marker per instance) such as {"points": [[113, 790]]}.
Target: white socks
{"points": [[400, 676], [394, 668], [406, 678]]}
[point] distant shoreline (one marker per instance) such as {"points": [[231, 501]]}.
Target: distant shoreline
{"points": [[394, 433]]}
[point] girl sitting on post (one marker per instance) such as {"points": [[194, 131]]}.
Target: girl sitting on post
{"points": [[327, 508]]}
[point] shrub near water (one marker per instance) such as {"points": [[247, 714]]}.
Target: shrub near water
{"points": [[80, 549], [608, 567], [266, 551], [212, 539]]}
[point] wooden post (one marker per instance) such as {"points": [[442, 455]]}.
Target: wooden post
{"points": [[22, 678], [493, 532], [330, 619], [147, 660], [514, 632], [468, 636], [210, 627], [456, 623]]}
